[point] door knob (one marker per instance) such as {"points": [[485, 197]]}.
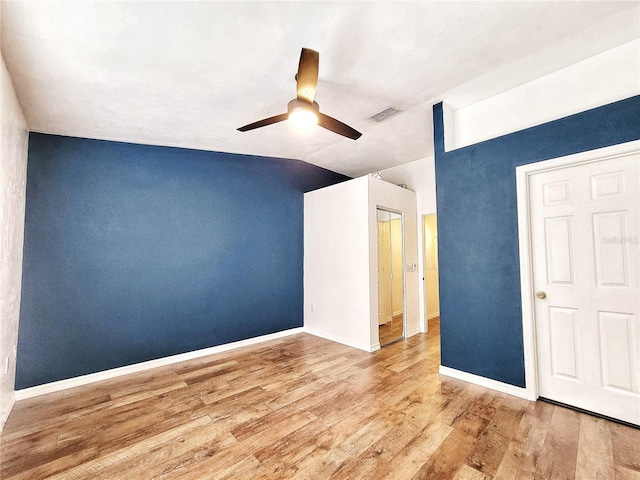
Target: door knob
{"points": [[541, 295]]}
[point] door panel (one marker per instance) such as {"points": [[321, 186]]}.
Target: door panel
{"points": [[559, 245], [384, 269], [616, 354], [397, 269], [562, 340], [585, 241], [611, 256]]}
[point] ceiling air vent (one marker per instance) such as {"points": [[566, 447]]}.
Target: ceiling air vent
{"points": [[384, 114]]}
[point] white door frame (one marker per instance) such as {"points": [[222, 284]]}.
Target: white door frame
{"points": [[524, 242]]}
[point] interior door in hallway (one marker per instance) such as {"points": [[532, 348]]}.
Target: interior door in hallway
{"points": [[585, 242]]}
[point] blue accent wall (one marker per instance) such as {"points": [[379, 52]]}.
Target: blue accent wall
{"points": [[480, 305], [135, 252]]}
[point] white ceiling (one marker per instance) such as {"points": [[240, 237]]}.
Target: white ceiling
{"points": [[189, 73]]}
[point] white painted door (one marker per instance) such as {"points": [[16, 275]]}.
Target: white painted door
{"points": [[585, 242]]}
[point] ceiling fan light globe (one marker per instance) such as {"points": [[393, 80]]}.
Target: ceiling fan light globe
{"points": [[303, 118]]}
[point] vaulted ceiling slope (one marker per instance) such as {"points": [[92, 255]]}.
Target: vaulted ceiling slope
{"points": [[189, 74]]}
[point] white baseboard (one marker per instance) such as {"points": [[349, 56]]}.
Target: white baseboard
{"points": [[342, 340], [484, 382], [411, 333], [139, 367], [433, 315], [5, 414]]}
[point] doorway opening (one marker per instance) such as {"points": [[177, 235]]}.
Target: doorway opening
{"points": [[391, 300], [430, 279]]}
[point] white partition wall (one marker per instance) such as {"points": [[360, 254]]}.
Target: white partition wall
{"points": [[336, 263], [340, 282]]}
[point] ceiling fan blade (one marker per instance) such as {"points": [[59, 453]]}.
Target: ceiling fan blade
{"points": [[307, 76], [264, 122], [336, 126]]}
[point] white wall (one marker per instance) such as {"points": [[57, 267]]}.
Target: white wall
{"points": [[340, 260], [336, 263], [605, 78], [419, 176], [13, 175]]}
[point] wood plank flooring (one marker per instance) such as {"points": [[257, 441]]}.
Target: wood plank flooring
{"points": [[391, 331], [303, 407]]}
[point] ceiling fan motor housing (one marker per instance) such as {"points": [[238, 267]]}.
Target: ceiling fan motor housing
{"points": [[297, 103]]}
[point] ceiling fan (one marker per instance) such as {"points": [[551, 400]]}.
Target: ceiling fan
{"points": [[303, 108]]}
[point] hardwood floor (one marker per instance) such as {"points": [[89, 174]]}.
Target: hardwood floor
{"points": [[303, 407], [391, 331]]}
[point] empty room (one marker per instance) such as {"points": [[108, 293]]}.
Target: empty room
{"points": [[320, 240]]}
